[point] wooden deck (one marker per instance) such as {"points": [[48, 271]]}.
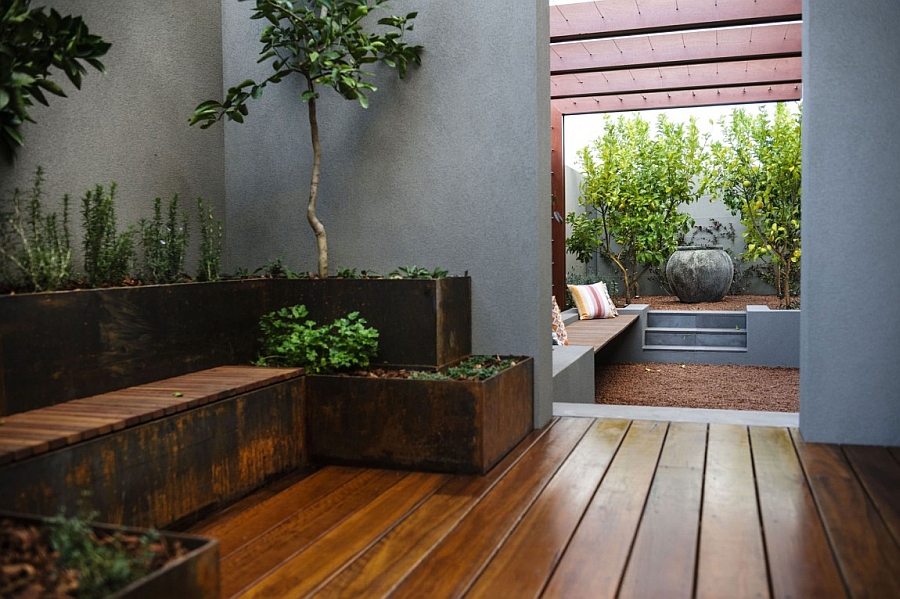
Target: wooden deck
{"points": [[599, 331], [584, 508]]}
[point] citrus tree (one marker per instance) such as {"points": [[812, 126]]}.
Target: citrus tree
{"points": [[757, 174], [634, 183], [325, 43], [32, 42]]}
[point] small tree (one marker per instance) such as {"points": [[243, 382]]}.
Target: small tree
{"points": [[757, 173], [633, 186], [324, 42], [31, 42]]}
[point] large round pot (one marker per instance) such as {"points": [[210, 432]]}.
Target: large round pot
{"points": [[699, 273]]}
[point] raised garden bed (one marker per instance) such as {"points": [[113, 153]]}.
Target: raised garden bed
{"points": [[64, 345], [436, 425]]}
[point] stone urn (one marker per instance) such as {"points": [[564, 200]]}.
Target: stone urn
{"points": [[699, 273]]}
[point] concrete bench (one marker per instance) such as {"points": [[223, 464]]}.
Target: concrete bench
{"points": [[573, 364]]}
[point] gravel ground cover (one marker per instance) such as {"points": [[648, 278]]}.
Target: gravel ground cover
{"points": [[698, 385]]}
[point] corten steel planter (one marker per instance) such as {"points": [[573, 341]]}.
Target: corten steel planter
{"points": [[443, 426], [65, 345], [700, 273], [194, 575]]}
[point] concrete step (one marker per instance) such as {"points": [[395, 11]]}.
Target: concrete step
{"points": [[696, 319], [695, 348], [695, 337]]}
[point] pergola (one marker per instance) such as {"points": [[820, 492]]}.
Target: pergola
{"points": [[622, 55]]}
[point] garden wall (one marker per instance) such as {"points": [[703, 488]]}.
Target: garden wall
{"points": [[851, 140], [131, 125]]}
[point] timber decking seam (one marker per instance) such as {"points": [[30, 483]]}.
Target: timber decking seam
{"points": [[351, 580], [22, 435]]}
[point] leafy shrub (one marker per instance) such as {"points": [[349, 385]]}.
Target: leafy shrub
{"points": [[757, 172], [165, 243], [34, 247], [108, 254], [290, 339], [633, 188], [33, 41]]}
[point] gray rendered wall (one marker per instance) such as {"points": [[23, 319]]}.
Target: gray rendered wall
{"points": [[130, 125], [449, 167], [849, 379]]}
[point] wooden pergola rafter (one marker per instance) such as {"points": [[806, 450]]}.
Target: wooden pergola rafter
{"points": [[623, 55]]}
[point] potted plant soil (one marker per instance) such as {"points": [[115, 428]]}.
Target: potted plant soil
{"points": [[70, 557]]}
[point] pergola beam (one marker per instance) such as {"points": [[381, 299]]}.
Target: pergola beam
{"points": [[680, 77], [679, 99], [587, 20], [711, 45]]}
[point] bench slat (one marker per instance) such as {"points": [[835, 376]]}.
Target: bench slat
{"points": [[598, 332], [27, 434]]}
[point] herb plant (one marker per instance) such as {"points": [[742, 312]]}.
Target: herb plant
{"points": [[209, 268], [34, 244], [324, 42], [108, 254], [165, 243], [291, 339]]}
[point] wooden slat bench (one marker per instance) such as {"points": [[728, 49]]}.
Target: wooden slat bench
{"points": [[598, 332], [156, 453]]}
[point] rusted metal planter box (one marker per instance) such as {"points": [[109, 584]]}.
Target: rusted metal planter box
{"points": [[444, 426], [70, 344], [194, 575]]}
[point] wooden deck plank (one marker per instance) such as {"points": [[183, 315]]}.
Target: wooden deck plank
{"points": [[379, 569], [879, 473], [305, 570], [732, 560], [867, 555], [801, 563], [450, 569], [250, 563], [595, 559], [524, 564], [235, 528], [599, 331], [663, 560]]}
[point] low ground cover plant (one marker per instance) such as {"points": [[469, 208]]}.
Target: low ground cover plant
{"points": [[69, 558]]}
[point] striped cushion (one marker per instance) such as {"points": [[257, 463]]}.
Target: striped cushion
{"points": [[593, 301]]}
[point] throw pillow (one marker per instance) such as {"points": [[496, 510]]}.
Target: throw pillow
{"points": [[560, 337], [593, 301]]}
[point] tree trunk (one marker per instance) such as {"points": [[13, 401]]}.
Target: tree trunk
{"points": [[314, 222]]}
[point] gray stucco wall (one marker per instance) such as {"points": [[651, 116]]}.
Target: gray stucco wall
{"points": [[131, 125], [849, 379], [449, 168]]}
